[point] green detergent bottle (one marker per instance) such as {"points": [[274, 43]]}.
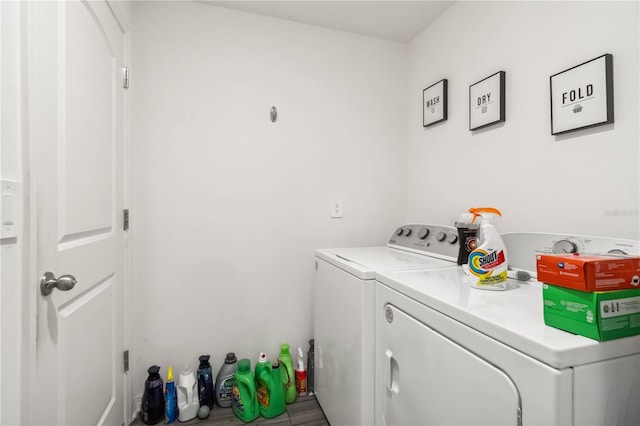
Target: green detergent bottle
{"points": [[286, 374], [245, 402], [269, 388]]}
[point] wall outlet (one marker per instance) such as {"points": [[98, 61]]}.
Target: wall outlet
{"points": [[336, 208]]}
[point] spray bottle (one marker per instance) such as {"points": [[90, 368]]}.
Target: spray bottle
{"points": [[301, 375], [488, 262]]}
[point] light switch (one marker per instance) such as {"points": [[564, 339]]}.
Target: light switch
{"points": [[336, 208]]}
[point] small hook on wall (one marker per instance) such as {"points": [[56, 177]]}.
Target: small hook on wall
{"points": [[274, 114]]}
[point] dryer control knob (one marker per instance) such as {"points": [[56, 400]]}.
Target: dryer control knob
{"points": [[564, 246], [423, 233], [407, 232], [441, 236], [452, 238], [400, 231]]}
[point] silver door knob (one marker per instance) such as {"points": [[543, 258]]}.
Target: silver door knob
{"points": [[49, 282]]}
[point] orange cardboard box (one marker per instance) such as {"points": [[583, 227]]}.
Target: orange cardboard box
{"points": [[589, 272]]}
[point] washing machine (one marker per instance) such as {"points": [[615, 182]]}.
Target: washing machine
{"points": [[343, 312], [448, 354]]}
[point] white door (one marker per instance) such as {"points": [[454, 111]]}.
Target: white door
{"points": [[429, 379], [75, 116]]}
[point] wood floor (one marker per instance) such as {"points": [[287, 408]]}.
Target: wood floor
{"points": [[305, 411]]}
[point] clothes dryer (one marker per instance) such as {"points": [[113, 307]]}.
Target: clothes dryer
{"points": [[450, 354], [344, 314]]}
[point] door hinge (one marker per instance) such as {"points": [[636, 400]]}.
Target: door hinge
{"points": [[125, 77], [126, 219], [126, 360]]}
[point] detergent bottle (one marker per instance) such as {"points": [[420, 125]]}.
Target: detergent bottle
{"points": [[488, 262], [188, 403], [286, 374], [277, 394], [170, 399], [152, 407], [225, 380], [205, 382], [245, 401], [269, 388]]}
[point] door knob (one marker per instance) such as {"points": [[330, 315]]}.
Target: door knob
{"points": [[49, 282]]}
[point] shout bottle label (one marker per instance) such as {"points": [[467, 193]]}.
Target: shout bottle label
{"points": [[485, 265]]}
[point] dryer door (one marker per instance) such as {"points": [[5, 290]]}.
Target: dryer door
{"points": [[430, 380]]}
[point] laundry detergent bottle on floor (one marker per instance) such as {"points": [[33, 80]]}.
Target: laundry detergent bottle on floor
{"points": [[225, 380], [205, 382], [488, 262], [286, 374], [188, 403], [170, 399], [269, 388], [152, 407], [245, 401]]}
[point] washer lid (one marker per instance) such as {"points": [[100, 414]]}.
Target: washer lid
{"points": [[363, 262], [513, 317]]}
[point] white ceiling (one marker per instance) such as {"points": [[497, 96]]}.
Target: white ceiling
{"points": [[395, 20]]}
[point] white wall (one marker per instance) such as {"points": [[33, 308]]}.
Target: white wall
{"points": [[228, 207], [584, 182]]}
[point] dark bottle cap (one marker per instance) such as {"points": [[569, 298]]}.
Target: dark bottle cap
{"points": [[153, 371], [311, 343], [231, 358], [204, 360]]}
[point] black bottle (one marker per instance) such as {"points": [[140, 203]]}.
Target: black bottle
{"points": [[467, 238], [310, 355], [152, 409], [205, 382]]}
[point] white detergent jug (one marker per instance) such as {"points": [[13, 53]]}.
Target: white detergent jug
{"points": [[188, 403]]}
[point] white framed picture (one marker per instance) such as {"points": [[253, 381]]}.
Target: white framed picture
{"points": [[582, 96], [487, 101], [434, 103]]}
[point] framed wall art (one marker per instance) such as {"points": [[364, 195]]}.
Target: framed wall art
{"points": [[582, 96], [487, 101], [434, 103]]}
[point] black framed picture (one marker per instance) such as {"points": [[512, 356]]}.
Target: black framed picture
{"points": [[582, 96], [434, 103], [487, 101]]}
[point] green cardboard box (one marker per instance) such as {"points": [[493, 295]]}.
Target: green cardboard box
{"points": [[601, 315]]}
